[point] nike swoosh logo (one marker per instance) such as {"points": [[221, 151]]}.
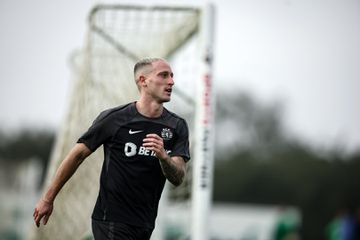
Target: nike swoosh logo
{"points": [[134, 132]]}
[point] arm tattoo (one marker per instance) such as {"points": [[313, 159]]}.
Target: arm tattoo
{"points": [[174, 173]]}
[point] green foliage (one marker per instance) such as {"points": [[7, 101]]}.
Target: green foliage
{"points": [[25, 144], [268, 167], [318, 186]]}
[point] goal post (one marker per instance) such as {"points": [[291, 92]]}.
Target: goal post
{"points": [[204, 132], [117, 37]]}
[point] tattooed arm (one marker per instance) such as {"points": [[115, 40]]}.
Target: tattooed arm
{"points": [[173, 168]]}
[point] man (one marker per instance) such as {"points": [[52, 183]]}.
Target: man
{"points": [[144, 144]]}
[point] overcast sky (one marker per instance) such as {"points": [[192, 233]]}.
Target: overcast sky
{"points": [[305, 53]]}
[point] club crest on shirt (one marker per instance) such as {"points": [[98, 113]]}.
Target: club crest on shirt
{"points": [[166, 134]]}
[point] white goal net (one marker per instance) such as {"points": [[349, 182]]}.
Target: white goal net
{"points": [[117, 37]]}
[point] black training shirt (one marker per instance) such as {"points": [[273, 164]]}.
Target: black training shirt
{"points": [[131, 179]]}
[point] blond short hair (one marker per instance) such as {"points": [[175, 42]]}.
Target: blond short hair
{"points": [[144, 63]]}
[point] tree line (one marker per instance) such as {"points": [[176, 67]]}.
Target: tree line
{"points": [[267, 166]]}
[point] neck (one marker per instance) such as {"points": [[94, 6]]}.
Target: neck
{"points": [[151, 109]]}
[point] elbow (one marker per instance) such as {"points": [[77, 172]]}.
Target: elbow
{"points": [[79, 159], [178, 180], [176, 183]]}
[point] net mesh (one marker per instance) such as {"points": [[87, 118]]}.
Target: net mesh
{"points": [[117, 37]]}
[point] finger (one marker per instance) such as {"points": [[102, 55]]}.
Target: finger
{"points": [[152, 146], [152, 143], [46, 218], [153, 135], [149, 144], [37, 221], [156, 140], [35, 213], [150, 139]]}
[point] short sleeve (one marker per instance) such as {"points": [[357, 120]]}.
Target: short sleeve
{"points": [[99, 132], [181, 146]]}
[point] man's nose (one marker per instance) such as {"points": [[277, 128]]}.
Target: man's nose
{"points": [[171, 81]]}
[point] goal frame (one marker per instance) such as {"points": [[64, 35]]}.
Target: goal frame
{"points": [[203, 135]]}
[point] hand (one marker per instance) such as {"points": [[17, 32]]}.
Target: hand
{"points": [[155, 143], [43, 209]]}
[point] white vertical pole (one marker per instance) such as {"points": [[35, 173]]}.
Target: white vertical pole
{"points": [[204, 132]]}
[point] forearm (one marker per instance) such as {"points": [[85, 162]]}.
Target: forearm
{"points": [[66, 169], [63, 174], [173, 170]]}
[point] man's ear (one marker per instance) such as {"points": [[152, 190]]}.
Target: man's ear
{"points": [[142, 80]]}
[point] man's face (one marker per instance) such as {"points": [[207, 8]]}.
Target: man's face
{"points": [[160, 82]]}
